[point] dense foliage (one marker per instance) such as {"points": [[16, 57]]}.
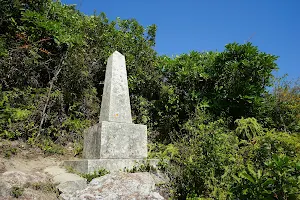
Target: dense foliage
{"points": [[211, 115], [56, 57], [214, 162]]}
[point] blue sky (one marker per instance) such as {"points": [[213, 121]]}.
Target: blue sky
{"points": [[183, 26]]}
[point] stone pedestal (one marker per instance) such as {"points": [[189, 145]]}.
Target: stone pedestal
{"points": [[112, 146], [117, 140]]}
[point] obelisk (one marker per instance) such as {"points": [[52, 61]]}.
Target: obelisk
{"points": [[115, 142]]}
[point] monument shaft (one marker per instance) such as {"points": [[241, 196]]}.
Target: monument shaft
{"points": [[115, 106]]}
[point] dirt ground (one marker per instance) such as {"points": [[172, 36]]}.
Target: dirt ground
{"points": [[19, 157]]}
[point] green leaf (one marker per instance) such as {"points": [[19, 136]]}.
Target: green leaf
{"points": [[248, 177]]}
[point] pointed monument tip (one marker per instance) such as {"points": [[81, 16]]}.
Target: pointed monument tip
{"points": [[117, 53]]}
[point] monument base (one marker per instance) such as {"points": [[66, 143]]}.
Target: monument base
{"points": [[90, 165], [115, 140]]}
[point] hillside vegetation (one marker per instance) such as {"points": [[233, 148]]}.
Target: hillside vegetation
{"points": [[226, 127]]}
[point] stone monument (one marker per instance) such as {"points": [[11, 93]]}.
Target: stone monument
{"points": [[115, 142]]}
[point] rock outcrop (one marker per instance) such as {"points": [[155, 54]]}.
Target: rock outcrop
{"points": [[118, 186], [26, 185]]}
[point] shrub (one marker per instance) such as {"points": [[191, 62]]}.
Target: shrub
{"points": [[206, 158], [281, 106], [95, 174], [248, 128], [141, 167], [17, 191], [262, 148], [8, 152], [210, 161], [278, 179]]}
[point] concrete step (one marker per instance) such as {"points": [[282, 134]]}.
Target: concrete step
{"points": [[67, 182]]}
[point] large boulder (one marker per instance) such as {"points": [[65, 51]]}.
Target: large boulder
{"points": [[118, 186]]}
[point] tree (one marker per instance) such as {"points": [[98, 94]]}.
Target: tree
{"points": [[229, 84], [55, 48]]}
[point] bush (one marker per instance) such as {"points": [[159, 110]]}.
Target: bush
{"points": [[262, 148], [272, 170], [281, 106], [17, 191], [17, 112], [248, 128], [210, 161], [95, 174], [141, 167], [279, 179], [205, 161]]}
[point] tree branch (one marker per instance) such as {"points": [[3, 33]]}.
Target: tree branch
{"points": [[51, 83]]}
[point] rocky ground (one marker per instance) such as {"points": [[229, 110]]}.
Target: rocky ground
{"points": [[27, 173]]}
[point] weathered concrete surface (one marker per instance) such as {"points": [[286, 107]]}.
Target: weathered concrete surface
{"points": [[67, 182], [112, 165], [91, 142], [123, 140], [118, 186], [115, 105], [115, 140]]}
